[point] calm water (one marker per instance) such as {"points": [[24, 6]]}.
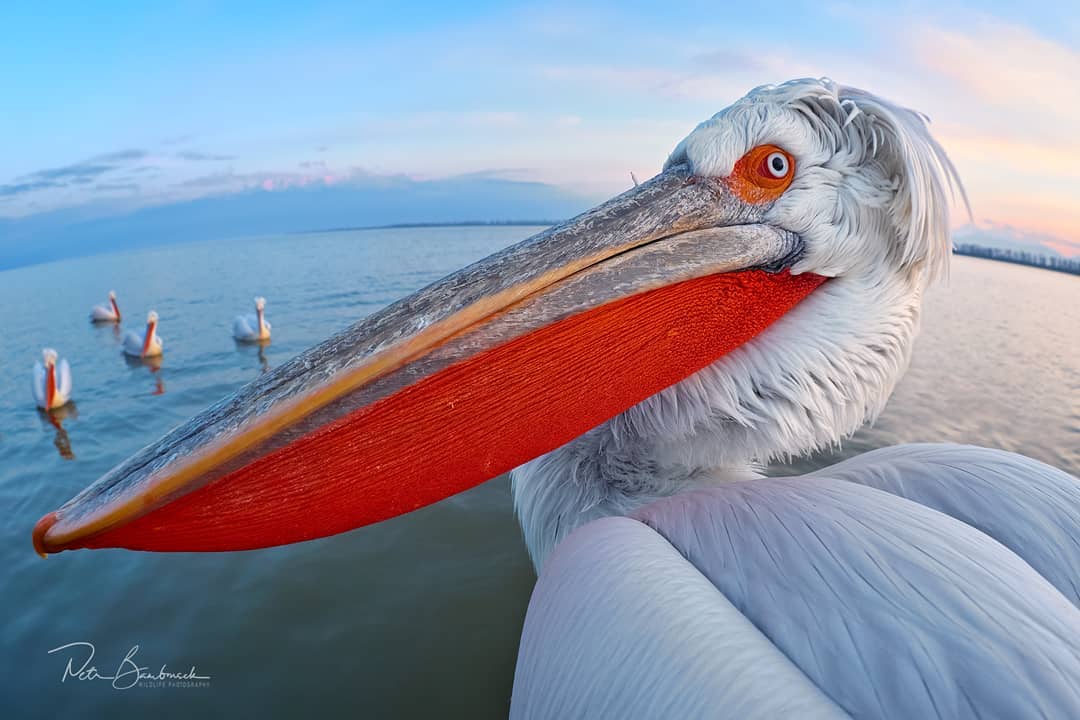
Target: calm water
{"points": [[416, 616]]}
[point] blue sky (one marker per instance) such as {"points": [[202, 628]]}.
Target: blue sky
{"points": [[116, 105]]}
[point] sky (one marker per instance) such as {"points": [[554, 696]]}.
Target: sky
{"points": [[112, 106]]}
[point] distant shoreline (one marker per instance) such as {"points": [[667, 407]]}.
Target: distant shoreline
{"points": [[1069, 266], [1044, 262]]}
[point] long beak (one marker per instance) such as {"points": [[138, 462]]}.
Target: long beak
{"points": [[468, 378], [50, 385], [149, 337]]}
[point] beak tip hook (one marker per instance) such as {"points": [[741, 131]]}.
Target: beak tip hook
{"points": [[40, 529]]}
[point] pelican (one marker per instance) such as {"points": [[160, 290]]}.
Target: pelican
{"points": [[252, 328], [106, 313], [147, 345], [635, 367], [52, 381]]}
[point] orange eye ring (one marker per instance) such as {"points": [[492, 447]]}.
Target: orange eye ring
{"points": [[762, 174]]}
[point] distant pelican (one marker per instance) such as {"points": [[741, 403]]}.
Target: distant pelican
{"points": [[52, 381], [252, 328], [633, 366], [106, 313], [146, 345]]}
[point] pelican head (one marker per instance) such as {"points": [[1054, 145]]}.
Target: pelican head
{"points": [[151, 318], [112, 294], [859, 179], [260, 303], [49, 355], [757, 298]]}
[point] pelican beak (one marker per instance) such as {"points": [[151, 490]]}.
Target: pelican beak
{"points": [[494, 365]]}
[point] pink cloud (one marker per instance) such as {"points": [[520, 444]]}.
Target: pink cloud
{"points": [[1005, 66]]}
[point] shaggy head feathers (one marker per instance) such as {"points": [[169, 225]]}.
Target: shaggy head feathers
{"points": [[871, 183]]}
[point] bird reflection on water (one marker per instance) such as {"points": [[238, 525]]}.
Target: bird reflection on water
{"points": [[153, 364], [54, 420], [259, 346]]}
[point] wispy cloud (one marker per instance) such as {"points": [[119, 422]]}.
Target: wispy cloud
{"points": [[117, 187], [497, 174], [1006, 67], [229, 181], [80, 173], [203, 157], [120, 156], [716, 76], [14, 189]]}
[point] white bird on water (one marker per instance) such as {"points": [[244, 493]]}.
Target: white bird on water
{"points": [[637, 364], [52, 381], [106, 313], [148, 344], [252, 328]]}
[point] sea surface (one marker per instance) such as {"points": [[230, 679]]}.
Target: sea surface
{"points": [[415, 617]]}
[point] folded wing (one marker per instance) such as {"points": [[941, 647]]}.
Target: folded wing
{"points": [[63, 378], [886, 607], [38, 384]]}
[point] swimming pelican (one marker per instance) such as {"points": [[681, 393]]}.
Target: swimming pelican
{"points": [[757, 299], [148, 344], [52, 381], [106, 313], [252, 328]]}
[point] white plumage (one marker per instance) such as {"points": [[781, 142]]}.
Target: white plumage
{"points": [[920, 581], [109, 313], [254, 327], [148, 344], [51, 381], [932, 581]]}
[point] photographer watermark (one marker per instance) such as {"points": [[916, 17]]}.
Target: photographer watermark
{"points": [[128, 674]]}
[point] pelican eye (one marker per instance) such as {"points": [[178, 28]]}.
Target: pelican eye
{"points": [[762, 174], [777, 164]]}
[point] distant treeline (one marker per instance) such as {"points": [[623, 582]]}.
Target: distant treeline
{"points": [[1020, 257]]}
